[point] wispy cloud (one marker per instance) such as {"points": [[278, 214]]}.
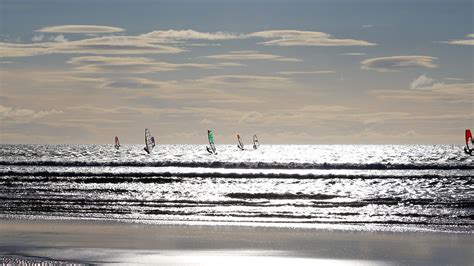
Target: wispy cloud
{"points": [[34, 81], [468, 41], [277, 37], [41, 37], [305, 72], [20, 50], [251, 55], [37, 38], [181, 35], [447, 93], [427, 89], [353, 54], [10, 114], [134, 83], [109, 45], [58, 38], [245, 81], [167, 41], [114, 110], [396, 63], [80, 29], [101, 64], [420, 82], [304, 38], [455, 79]]}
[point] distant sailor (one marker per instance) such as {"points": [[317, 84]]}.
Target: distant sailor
{"points": [[255, 142], [149, 141], [241, 144], [117, 143], [211, 148]]}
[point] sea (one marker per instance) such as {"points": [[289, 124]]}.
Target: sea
{"points": [[333, 187]]}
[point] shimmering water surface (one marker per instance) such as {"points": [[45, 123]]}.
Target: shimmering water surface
{"points": [[408, 187]]}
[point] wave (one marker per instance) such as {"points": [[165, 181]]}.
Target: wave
{"points": [[286, 196], [72, 207], [235, 199], [164, 177], [248, 165], [64, 177], [122, 202]]}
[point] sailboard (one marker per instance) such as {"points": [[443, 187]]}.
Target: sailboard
{"points": [[241, 144], [255, 142], [212, 147], [149, 141], [117, 143], [469, 149]]}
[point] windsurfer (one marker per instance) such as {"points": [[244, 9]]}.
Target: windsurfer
{"points": [[467, 149], [211, 149]]}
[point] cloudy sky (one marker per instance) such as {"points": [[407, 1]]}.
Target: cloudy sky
{"points": [[303, 72]]}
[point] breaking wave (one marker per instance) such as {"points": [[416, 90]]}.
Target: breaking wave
{"points": [[247, 165]]}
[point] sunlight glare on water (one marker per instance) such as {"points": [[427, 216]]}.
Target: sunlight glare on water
{"points": [[296, 185]]}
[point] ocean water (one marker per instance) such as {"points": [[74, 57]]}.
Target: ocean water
{"points": [[356, 187]]}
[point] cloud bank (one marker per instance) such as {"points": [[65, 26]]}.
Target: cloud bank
{"points": [[168, 41]]}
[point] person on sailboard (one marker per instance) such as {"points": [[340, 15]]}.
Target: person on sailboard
{"points": [[211, 149], [211, 138], [117, 143], [149, 141], [240, 145], [255, 142]]}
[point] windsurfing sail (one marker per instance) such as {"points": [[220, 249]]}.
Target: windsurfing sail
{"points": [[212, 148], [241, 144], [469, 137], [255, 142], [117, 143], [149, 141], [469, 149]]}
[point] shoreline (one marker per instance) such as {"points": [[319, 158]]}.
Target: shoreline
{"points": [[320, 226], [119, 242]]}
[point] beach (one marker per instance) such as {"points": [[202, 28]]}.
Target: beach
{"points": [[205, 132], [101, 242]]}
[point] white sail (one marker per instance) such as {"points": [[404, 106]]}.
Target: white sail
{"points": [[255, 142], [241, 144], [149, 141]]}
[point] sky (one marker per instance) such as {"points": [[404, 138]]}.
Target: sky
{"points": [[292, 72]]}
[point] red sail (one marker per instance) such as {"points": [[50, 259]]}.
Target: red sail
{"points": [[468, 136]]}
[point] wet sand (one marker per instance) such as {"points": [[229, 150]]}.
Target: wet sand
{"points": [[113, 242]]}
